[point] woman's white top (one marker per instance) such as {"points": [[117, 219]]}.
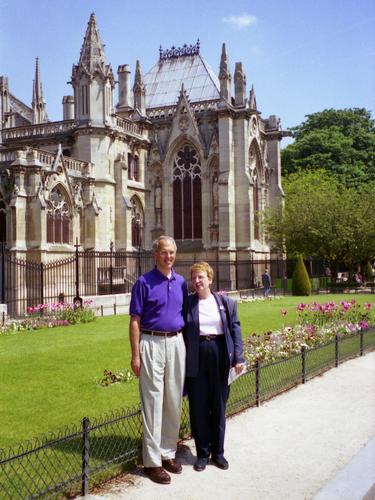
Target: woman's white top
{"points": [[209, 317]]}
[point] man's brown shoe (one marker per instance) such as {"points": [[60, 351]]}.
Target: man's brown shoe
{"points": [[157, 474], [172, 466]]}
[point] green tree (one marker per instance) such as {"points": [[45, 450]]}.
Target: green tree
{"points": [[339, 141], [322, 218], [300, 280]]}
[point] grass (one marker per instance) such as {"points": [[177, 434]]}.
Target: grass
{"points": [[48, 376]]}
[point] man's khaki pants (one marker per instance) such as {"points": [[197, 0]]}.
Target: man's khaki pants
{"points": [[161, 383]]}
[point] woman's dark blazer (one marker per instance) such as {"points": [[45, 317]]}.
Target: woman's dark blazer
{"points": [[233, 338]]}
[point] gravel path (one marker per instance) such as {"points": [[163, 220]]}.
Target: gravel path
{"points": [[289, 448]]}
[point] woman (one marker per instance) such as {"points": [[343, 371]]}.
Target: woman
{"points": [[214, 345]]}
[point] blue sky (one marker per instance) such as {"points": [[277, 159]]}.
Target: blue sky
{"points": [[301, 55]]}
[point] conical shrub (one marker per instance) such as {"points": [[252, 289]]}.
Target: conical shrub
{"points": [[367, 272], [301, 284]]}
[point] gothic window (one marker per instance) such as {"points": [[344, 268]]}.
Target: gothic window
{"points": [[137, 223], [136, 168], [187, 194], [133, 167], [255, 170], [2, 221], [84, 100], [256, 205], [214, 185], [58, 217]]}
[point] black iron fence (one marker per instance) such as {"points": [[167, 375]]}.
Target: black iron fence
{"points": [[70, 460], [25, 283]]}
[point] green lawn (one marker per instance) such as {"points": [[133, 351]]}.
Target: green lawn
{"points": [[48, 376]]}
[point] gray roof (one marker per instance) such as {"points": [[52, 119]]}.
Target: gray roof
{"points": [[163, 82]]}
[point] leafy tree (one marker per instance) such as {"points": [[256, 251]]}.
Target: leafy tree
{"points": [[300, 280], [322, 218], [339, 141]]}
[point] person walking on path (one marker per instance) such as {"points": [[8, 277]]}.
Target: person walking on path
{"points": [[266, 282], [158, 358], [213, 345]]}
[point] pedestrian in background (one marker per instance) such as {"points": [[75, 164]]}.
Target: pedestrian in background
{"points": [[266, 282]]}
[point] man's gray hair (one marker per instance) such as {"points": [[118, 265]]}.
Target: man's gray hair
{"points": [[163, 237]]}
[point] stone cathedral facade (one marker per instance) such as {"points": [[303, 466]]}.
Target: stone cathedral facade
{"points": [[183, 152]]}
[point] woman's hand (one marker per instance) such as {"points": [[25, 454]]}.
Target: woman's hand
{"points": [[239, 367]]}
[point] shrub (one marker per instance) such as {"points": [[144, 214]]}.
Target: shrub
{"points": [[300, 281], [367, 272]]}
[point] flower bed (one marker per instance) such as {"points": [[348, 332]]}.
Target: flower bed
{"points": [[316, 325], [114, 377], [50, 316]]}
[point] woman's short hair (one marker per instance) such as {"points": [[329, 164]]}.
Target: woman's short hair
{"points": [[202, 266]]}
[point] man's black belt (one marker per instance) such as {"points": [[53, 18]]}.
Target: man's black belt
{"points": [[202, 338], [160, 334]]}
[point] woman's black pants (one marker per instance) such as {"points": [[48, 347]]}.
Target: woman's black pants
{"points": [[208, 394]]}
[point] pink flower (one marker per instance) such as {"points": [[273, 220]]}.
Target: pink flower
{"points": [[367, 306], [301, 307], [364, 325], [352, 328]]}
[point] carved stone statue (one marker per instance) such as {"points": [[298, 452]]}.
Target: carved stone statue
{"points": [[215, 198], [158, 201]]}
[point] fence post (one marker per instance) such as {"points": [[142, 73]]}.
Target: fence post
{"points": [[217, 273], [303, 354], [236, 271], [361, 343], [77, 299], [257, 383], [2, 274], [337, 358], [85, 456], [110, 268], [42, 285]]}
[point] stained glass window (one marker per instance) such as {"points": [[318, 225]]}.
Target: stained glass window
{"points": [[58, 217], [187, 195]]}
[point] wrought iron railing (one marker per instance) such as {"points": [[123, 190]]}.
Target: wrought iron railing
{"points": [[71, 460], [25, 283]]}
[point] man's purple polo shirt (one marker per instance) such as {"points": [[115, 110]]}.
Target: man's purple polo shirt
{"points": [[158, 301]]}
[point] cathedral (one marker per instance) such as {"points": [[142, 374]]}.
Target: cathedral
{"points": [[182, 152]]}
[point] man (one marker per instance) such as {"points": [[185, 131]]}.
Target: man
{"points": [[158, 358], [266, 282]]}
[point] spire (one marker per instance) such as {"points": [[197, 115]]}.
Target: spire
{"points": [[252, 98], [92, 55], [239, 85], [38, 104], [224, 74], [139, 90], [93, 80]]}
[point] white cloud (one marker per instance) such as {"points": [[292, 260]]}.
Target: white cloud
{"points": [[241, 21]]}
